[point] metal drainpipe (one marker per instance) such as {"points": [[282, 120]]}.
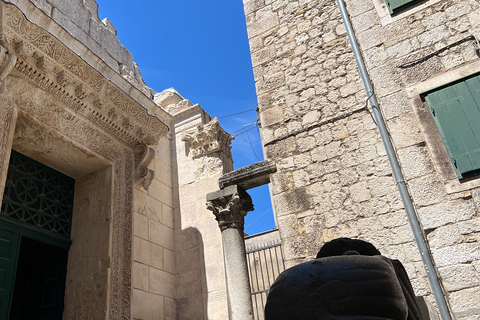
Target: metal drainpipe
{"points": [[407, 201]]}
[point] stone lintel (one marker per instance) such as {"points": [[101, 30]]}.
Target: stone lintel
{"points": [[249, 177], [230, 206]]}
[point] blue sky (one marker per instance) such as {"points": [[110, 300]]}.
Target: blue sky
{"points": [[201, 49]]}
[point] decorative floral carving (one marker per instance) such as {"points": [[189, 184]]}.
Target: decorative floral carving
{"points": [[143, 157], [230, 206], [208, 138], [7, 62], [66, 68]]}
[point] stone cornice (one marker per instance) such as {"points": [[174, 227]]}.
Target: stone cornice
{"points": [[208, 138], [249, 177], [54, 67]]}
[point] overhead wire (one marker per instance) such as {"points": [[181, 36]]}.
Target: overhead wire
{"points": [[245, 125], [251, 145], [234, 114], [240, 132], [245, 131], [259, 217]]}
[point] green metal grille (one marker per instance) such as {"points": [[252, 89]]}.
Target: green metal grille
{"points": [[38, 197]]}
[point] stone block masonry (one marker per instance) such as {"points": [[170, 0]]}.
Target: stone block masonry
{"points": [[333, 178], [80, 19]]}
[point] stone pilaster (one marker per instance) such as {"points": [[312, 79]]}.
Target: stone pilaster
{"points": [[230, 206]]}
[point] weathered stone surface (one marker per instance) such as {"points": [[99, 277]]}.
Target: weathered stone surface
{"points": [[440, 215], [142, 304], [458, 277], [249, 177], [341, 179], [452, 255]]}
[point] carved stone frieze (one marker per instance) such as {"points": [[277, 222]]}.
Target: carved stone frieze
{"points": [[54, 67], [143, 157], [230, 206], [7, 62], [208, 138]]}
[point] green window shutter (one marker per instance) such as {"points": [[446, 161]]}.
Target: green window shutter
{"points": [[456, 112], [397, 5]]}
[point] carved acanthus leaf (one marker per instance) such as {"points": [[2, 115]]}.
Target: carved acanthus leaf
{"points": [[208, 138], [143, 157], [230, 206]]}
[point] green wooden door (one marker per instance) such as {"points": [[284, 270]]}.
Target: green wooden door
{"points": [[9, 248], [40, 282]]}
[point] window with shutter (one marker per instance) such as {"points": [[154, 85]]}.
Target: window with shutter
{"points": [[456, 111], [395, 6]]}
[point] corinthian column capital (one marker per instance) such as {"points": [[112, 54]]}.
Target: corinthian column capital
{"points": [[208, 138], [230, 206], [7, 62]]}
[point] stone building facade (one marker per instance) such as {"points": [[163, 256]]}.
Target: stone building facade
{"points": [[333, 178], [133, 238]]}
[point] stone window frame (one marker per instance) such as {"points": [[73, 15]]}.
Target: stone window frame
{"points": [[386, 18], [434, 143]]}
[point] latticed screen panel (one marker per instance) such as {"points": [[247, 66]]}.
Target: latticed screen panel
{"points": [[38, 196]]}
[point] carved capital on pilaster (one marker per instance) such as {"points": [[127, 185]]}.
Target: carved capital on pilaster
{"points": [[143, 157], [208, 138], [230, 206], [7, 62]]}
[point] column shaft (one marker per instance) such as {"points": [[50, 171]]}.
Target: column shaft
{"points": [[230, 206], [238, 282]]}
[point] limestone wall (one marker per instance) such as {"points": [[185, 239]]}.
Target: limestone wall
{"points": [[178, 270], [154, 268], [200, 156], [333, 176]]}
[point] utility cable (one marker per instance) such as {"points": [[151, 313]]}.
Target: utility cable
{"points": [[258, 217], [245, 131], [234, 114], [251, 145]]}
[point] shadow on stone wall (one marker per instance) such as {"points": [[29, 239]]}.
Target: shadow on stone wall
{"points": [[192, 296]]}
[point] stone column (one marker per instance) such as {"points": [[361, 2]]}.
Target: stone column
{"points": [[230, 206]]}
